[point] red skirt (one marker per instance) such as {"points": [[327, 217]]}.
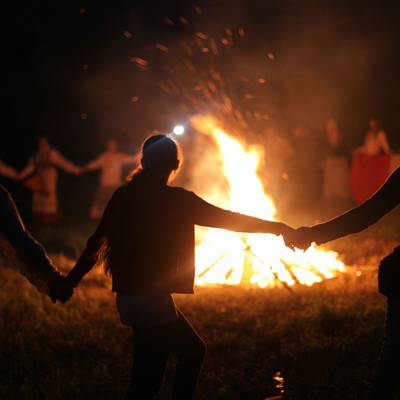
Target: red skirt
{"points": [[368, 174]]}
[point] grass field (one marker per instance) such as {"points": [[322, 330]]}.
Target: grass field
{"points": [[322, 341]]}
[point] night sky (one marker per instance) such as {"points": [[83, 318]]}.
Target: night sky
{"points": [[68, 74]]}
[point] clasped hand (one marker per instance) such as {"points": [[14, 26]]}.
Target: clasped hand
{"points": [[61, 290], [300, 238]]}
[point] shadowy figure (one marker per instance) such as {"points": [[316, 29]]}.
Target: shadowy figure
{"points": [[41, 176], [111, 164], [146, 237], [34, 264], [386, 383]]}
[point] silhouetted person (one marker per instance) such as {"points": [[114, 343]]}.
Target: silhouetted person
{"points": [[336, 168], [384, 200], [15, 240], [147, 237]]}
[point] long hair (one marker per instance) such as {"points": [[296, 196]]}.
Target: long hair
{"points": [[160, 155]]}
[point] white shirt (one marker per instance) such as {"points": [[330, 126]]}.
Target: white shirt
{"points": [[111, 164]]}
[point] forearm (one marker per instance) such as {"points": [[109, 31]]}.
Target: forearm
{"points": [[244, 223], [87, 260], [81, 268], [361, 217]]}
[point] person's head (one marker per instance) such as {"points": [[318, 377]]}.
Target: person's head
{"points": [[43, 143], [111, 145], [332, 131], [159, 157], [374, 124]]}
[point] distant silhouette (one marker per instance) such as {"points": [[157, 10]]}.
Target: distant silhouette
{"points": [[146, 237], [41, 177], [386, 384], [31, 257], [111, 164], [336, 168], [375, 141]]}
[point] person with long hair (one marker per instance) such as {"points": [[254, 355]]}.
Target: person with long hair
{"points": [[146, 237]]}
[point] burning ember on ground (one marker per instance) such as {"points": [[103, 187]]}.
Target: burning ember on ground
{"points": [[224, 257]]}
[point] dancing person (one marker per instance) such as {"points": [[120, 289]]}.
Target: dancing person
{"points": [[22, 250], [41, 176], [111, 164], [386, 382], [371, 163], [146, 237], [375, 141], [335, 164], [7, 171]]}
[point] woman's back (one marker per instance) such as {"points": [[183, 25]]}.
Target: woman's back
{"points": [[151, 238]]}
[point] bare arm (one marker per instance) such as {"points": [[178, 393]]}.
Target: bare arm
{"points": [[128, 159], [384, 143], [63, 163], [359, 218], [37, 267], [28, 170], [206, 214], [7, 171], [95, 164]]}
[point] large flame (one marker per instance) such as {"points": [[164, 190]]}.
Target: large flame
{"points": [[224, 257]]}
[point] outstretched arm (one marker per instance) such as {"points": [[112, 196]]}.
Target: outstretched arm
{"points": [[36, 265], [58, 159], [206, 214], [359, 218], [7, 171], [28, 170], [95, 164]]}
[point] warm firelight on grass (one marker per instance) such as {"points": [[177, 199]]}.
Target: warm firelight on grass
{"points": [[224, 257]]}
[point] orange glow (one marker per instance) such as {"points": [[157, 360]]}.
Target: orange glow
{"points": [[263, 260]]}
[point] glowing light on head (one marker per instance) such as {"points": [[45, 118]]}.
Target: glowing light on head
{"points": [[179, 130]]}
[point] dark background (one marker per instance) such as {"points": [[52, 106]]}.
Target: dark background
{"points": [[332, 59]]}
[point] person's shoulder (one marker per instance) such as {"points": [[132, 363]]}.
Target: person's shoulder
{"points": [[180, 192]]}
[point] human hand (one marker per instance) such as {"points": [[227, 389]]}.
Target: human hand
{"points": [[61, 291], [300, 238]]}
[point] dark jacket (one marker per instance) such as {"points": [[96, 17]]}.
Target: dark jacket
{"points": [[150, 231]]}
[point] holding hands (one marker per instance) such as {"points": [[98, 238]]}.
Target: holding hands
{"points": [[61, 291], [300, 238]]}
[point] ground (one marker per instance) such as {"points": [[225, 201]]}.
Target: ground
{"points": [[320, 342]]}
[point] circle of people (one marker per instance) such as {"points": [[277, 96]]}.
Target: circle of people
{"points": [[367, 173], [289, 161]]}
